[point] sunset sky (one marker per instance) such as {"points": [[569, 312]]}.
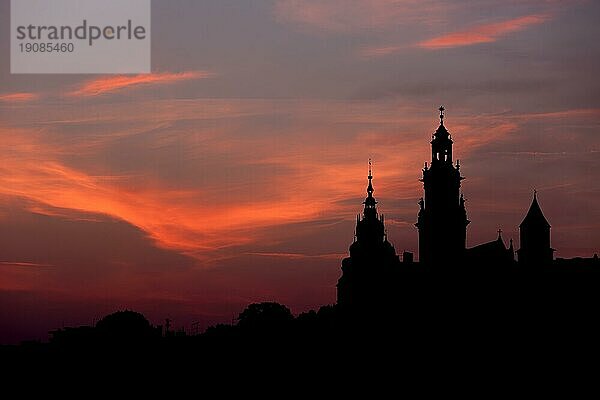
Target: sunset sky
{"points": [[234, 172]]}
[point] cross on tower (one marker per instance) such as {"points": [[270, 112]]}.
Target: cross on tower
{"points": [[442, 109]]}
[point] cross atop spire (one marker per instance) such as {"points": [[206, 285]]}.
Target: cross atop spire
{"points": [[499, 233], [442, 109]]}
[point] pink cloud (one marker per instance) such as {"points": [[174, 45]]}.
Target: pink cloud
{"points": [[116, 83], [19, 97], [484, 33], [353, 15]]}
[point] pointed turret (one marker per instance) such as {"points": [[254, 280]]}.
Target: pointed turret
{"points": [[535, 216], [534, 235]]}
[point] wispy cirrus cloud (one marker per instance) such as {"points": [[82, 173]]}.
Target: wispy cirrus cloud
{"points": [[478, 34], [19, 97], [342, 16], [114, 84], [484, 33]]}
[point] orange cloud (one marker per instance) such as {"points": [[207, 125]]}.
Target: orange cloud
{"points": [[175, 219], [19, 97], [223, 214], [485, 33], [116, 83]]}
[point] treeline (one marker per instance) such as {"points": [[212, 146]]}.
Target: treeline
{"points": [[418, 313]]}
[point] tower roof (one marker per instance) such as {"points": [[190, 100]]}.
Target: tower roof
{"points": [[535, 216], [441, 132]]}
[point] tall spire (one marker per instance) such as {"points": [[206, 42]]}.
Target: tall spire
{"points": [[370, 189], [442, 109], [370, 200]]}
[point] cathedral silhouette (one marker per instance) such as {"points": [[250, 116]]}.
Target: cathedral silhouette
{"points": [[373, 272]]}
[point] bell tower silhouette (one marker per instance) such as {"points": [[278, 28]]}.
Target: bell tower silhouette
{"points": [[442, 219]]}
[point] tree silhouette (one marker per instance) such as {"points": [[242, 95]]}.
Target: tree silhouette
{"points": [[124, 326], [264, 316]]}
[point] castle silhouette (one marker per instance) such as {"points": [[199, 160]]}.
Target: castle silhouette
{"points": [[372, 272]]}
